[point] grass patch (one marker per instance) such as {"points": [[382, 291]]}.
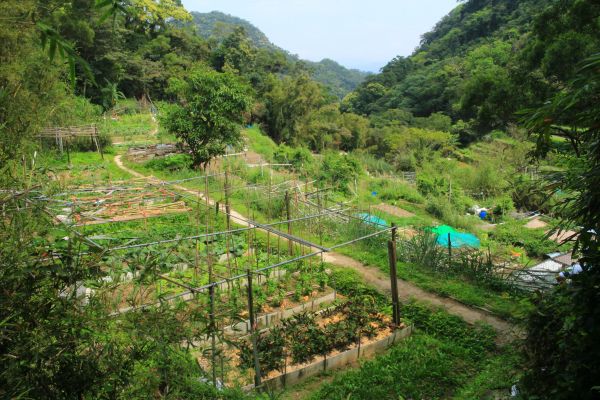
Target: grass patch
{"points": [[127, 125], [393, 192], [504, 304], [419, 367], [260, 143], [86, 168]]}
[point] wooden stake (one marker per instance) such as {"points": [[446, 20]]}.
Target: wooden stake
{"points": [[449, 251], [68, 155], [257, 377], [227, 205], [320, 211], [394, 282], [213, 344], [208, 228], [289, 224], [95, 139]]}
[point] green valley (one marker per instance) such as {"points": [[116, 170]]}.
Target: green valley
{"points": [[189, 211]]}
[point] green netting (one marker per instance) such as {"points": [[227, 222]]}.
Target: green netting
{"points": [[457, 239], [443, 230]]}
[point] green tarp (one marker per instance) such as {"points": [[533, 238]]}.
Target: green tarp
{"points": [[457, 239], [373, 219]]}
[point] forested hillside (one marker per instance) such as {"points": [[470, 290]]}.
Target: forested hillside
{"points": [[339, 78], [483, 62], [216, 26]]}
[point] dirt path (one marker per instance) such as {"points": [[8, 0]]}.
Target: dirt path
{"points": [[238, 218], [373, 276]]}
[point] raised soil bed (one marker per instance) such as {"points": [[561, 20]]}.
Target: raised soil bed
{"points": [[336, 361]]}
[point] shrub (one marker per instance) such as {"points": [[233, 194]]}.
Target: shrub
{"points": [[534, 241], [373, 164], [442, 209], [503, 206], [432, 185], [174, 162], [338, 171], [391, 191], [301, 158]]}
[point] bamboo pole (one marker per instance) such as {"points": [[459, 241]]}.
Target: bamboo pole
{"points": [[449, 251], [213, 344], [257, 377], [289, 224]]}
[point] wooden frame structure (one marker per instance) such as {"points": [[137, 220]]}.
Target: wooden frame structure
{"points": [[62, 135]]}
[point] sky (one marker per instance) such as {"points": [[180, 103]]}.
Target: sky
{"points": [[362, 34]]}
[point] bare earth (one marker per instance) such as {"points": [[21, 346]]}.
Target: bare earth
{"points": [[372, 275], [557, 237], [535, 223], [562, 236], [393, 210]]}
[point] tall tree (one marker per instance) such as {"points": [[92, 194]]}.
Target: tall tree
{"points": [[212, 105]]}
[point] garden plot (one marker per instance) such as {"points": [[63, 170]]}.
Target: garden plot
{"points": [[116, 204], [224, 274], [308, 342]]}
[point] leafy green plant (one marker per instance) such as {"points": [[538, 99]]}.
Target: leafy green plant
{"points": [[534, 241], [271, 351], [338, 171]]}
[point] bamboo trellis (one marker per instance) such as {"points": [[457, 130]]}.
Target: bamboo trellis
{"points": [[62, 135]]}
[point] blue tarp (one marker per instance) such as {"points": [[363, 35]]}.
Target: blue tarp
{"points": [[372, 219]]}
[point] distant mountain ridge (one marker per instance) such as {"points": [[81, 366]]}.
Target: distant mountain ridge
{"points": [[217, 26], [465, 68]]}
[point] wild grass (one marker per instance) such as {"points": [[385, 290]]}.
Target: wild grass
{"points": [[86, 168], [393, 191], [373, 164], [260, 143], [127, 125]]}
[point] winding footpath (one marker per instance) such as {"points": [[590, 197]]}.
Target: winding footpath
{"points": [[372, 275]]}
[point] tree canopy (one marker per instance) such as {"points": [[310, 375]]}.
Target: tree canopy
{"points": [[211, 107]]}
